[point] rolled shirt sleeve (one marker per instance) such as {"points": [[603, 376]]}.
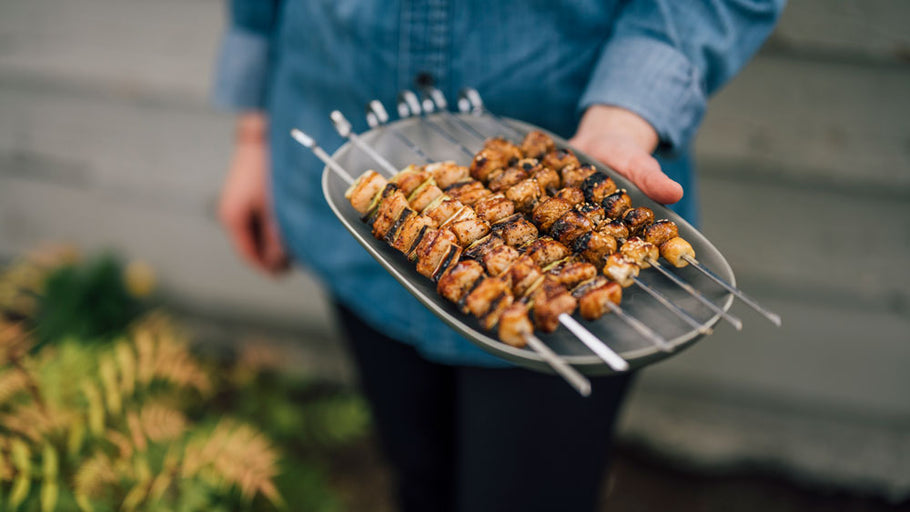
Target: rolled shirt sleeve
{"points": [[242, 69], [664, 58]]}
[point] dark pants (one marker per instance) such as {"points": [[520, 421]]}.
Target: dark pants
{"points": [[480, 439]]}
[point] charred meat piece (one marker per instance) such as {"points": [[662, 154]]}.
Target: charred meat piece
{"points": [[660, 231], [545, 251], [364, 190], [486, 162], [455, 284], [571, 194], [523, 273], [390, 208], [489, 299], [537, 144], [449, 260], [593, 211], [393, 233], [637, 219], [575, 176], [583, 288], [615, 228], [621, 269], [547, 178], [594, 247], [597, 186], [507, 149], [497, 154], [507, 178], [639, 251], [432, 250], [557, 159], [616, 204], [498, 259], [595, 300], [525, 194], [469, 230], [494, 208], [515, 231], [674, 249], [476, 250], [529, 165], [515, 325], [447, 173], [468, 192], [443, 209], [410, 231], [551, 299], [424, 195], [570, 226], [572, 272], [409, 179], [549, 211]]}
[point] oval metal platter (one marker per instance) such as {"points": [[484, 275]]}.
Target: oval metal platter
{"points": [[632, 347]]}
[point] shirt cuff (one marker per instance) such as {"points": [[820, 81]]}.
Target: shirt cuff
{"points": [[241, 73], [652, 79]]}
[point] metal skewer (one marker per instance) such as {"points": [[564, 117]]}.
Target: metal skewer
{"points": [[310, 143], [469, 101], [570, 374], [343, 127], [566, 371], [733, 320], [442, 106], [410, 100], [773, 317], [600, 348], [678, 311], [377, 116], [595, 344]]}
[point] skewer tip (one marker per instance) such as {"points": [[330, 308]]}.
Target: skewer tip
{"points": [[303, 138], [774, 317], [341, 123]]}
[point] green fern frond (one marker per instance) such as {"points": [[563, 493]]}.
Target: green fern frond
{"points": [[12, 382], [161, 423], [93, 475]]}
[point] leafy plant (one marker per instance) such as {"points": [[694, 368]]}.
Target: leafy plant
{"points": [[107, 408], [105, 427]]}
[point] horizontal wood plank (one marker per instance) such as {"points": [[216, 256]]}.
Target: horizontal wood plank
{"points": [[191, 254], [840, 124], [870, 29], [129, 46]]}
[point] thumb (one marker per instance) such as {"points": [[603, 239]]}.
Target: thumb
{"points": [[639, 167]]}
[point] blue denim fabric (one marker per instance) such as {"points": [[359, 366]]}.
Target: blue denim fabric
{"points": [[541, 61]]}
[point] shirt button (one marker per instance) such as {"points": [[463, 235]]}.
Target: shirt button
{"points": [[424, 79]]}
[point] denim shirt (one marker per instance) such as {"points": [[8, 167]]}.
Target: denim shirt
{"points": [[542, 61]]}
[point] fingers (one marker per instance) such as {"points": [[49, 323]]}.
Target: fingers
{"points": [[275, 256], [635, 164], [239, 221]]}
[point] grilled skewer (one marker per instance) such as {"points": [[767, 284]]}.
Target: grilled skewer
{"points": [[578, 381]]}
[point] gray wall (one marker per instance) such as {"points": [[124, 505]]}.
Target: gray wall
{"points": [[106, 140]]}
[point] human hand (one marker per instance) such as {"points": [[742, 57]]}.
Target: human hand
{"points": [[245, 205], [624, 141]]}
